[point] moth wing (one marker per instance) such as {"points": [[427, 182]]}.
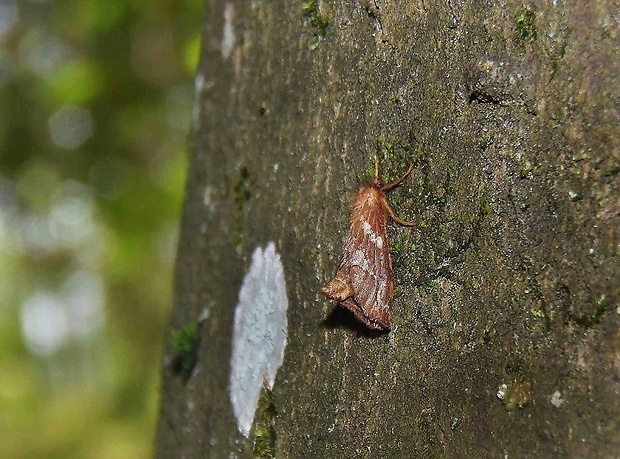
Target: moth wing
{"points": [[366, 268]]}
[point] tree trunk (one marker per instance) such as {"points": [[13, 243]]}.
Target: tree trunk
{"points": [[504, 339]]}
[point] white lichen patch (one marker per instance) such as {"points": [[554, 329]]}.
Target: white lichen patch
{"points": [[259, 334], [502, 391], [207, 197], [228, 37], [556, 399], [200, 87]]}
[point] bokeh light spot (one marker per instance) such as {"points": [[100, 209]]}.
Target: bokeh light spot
{"points": [[70, 127], [44, 323], [8, 16]]}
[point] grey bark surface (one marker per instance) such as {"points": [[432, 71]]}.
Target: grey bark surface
{"points": [[509, 286]]}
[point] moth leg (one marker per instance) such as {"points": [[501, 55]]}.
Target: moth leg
{"points": [[389, 186], [397, 219]]}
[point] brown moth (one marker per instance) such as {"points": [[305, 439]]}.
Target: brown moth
{"points": [[364, 281]]}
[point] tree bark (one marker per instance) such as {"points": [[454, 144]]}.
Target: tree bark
{"points": [[505, 339]]}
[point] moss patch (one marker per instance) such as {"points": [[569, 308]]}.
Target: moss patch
{"points": [[318, 21], [526, 26], [542, 311], [184, 343], [556, 56], [591, 320], [264, 431], [514, 395], [395, 154]]}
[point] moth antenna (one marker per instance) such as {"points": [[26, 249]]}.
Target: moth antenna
{"points": [[389, 186], [376, 168], [399, 220]]}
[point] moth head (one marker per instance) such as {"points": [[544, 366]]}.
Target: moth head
{"points": [[337, 290], [377, 183]]}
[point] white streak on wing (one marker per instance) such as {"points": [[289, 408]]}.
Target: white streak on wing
{"points": [[376, 240], [381, 293], [359, 259]]}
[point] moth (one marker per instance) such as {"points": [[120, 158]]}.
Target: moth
{"points": [[364, 281]]}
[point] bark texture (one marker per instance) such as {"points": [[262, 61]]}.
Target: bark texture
{"points": [[505, 337]]}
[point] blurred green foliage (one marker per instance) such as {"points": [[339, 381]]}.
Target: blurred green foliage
{"points": [[96, 100]]}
